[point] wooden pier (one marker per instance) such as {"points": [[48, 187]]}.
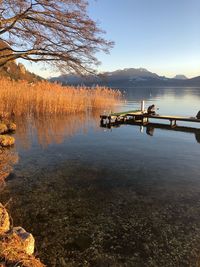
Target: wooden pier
{"points": [[142, 117]]}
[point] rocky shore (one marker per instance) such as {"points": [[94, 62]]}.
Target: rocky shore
{"points": [[16, 245], [7, 128]]}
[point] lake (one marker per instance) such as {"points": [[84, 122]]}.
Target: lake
{"points": [[95, 197]]}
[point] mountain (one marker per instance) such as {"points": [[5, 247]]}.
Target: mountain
{"points": [[129, 77], [16, 71], [11, 69], [131, 74], [195, 80], [180, 77]]}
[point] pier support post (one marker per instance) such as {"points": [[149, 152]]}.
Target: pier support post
{"points": [[173, 123], [142, 106], [109, 120]]}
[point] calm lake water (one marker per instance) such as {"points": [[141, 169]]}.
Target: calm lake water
{"points": [[95, 197]]}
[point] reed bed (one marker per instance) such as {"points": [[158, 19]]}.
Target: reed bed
{"points": [[45, 98]]}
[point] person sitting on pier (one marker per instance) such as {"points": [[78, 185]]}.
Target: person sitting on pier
{"points": [[198, 115], [151, 110]]}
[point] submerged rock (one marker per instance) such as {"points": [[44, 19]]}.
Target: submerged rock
{"points": [[4, 220], [11, 127], [27, 241], [81, 242], [3, 128], [7, 127], [6, 140], [16, 245]]}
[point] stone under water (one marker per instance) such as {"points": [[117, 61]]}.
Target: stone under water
{"points": [[3, 128], [4, 220], [27, 241], [6, 140]]}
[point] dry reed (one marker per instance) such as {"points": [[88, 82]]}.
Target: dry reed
{"points": [[44, 98]]}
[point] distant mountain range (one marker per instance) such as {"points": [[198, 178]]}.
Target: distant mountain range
{"points": [[180, 77], [129, 77]]}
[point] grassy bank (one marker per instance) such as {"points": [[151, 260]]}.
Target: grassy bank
{"points": [[44, 98]]}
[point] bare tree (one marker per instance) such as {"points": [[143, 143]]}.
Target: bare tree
{"points": [[58, 32]]}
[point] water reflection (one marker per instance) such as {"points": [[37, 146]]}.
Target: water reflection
{"points": [[150, 128], [176, 101], [138, 93], [110, 198], [197, 136], [108, 217], [53, 130]]}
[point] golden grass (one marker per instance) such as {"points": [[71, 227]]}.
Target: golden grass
{"points": [[44, 98]]}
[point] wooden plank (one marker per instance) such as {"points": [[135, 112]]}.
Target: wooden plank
{"points": [[142, 115], [177, 118], [123, 113], [104, 116]]}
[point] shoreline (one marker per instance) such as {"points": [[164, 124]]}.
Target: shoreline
{"points": [[16, 245]]}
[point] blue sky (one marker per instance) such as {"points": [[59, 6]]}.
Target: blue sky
{"points": [[162, 36]]}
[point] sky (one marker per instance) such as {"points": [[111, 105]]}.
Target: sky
{"points": [[162, 36]]}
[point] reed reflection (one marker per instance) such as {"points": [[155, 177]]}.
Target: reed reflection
{"points": [[54, 130]]}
